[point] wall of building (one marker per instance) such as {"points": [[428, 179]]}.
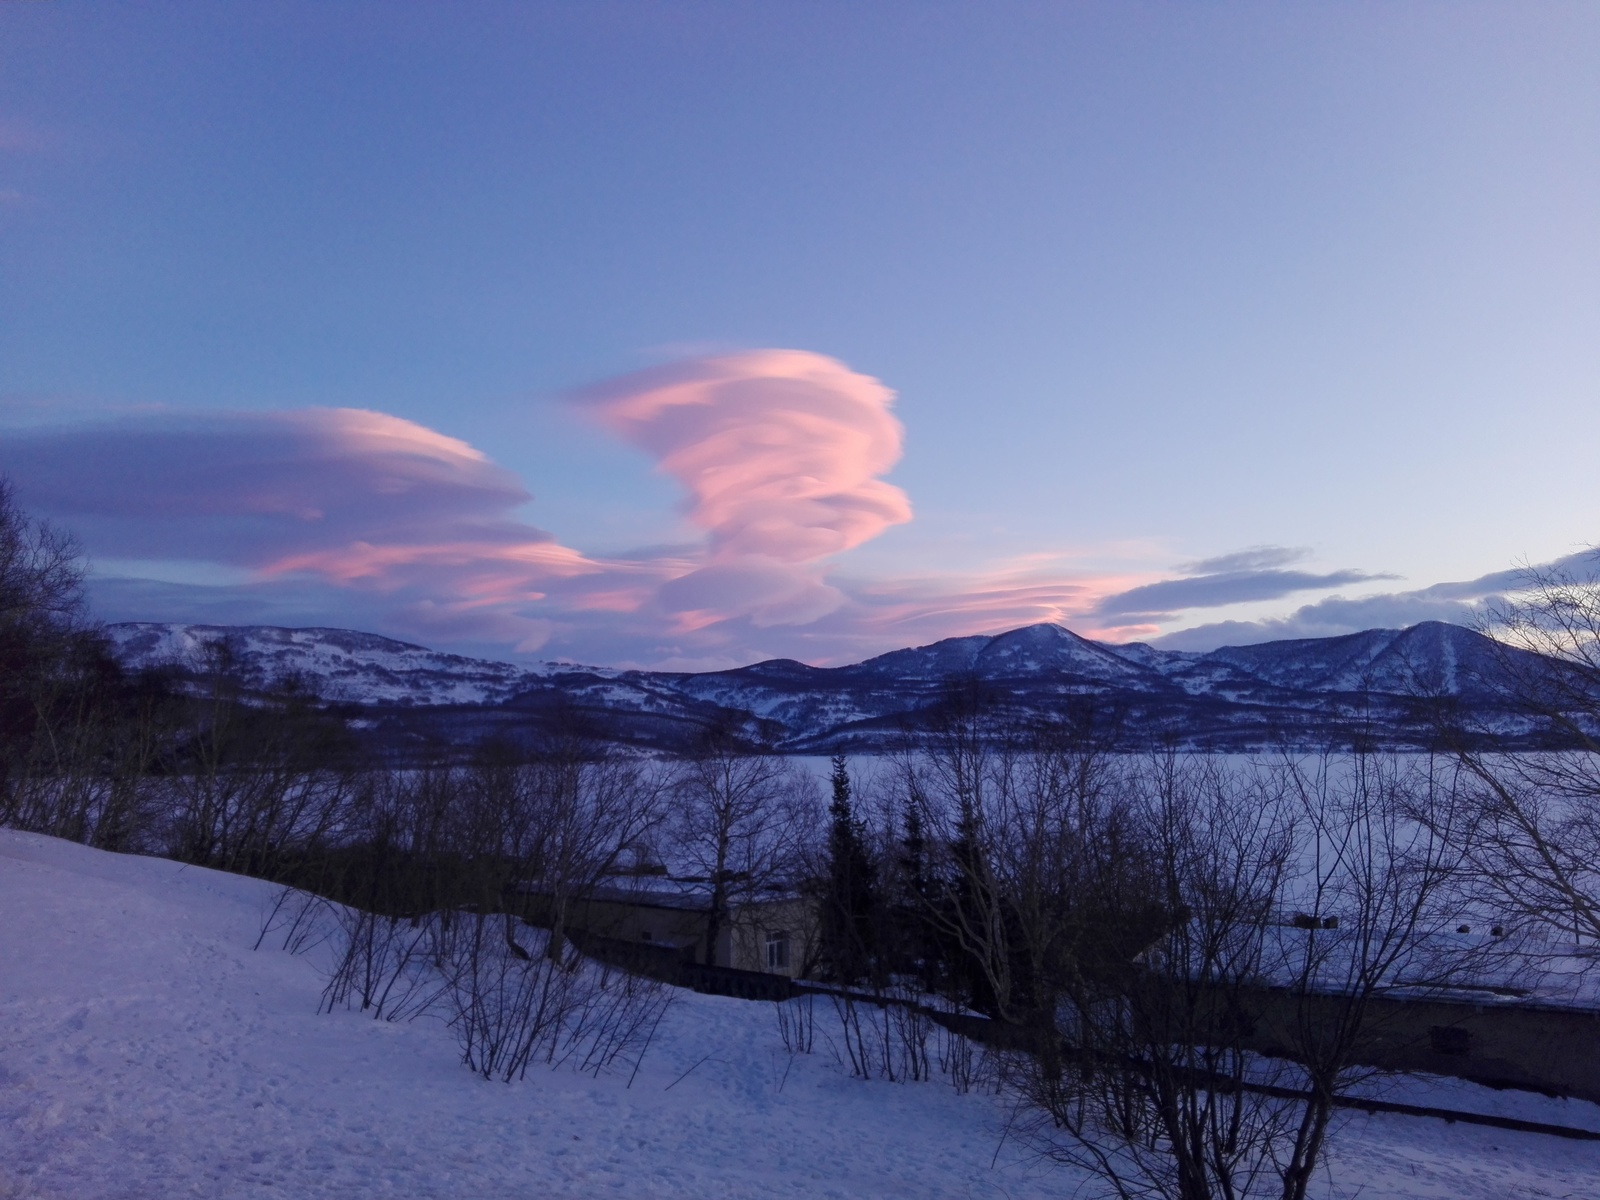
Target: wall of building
{"points": [[745, 942], [1504, 1043]]}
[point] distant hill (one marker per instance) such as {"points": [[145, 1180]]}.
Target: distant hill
{"points": [[1382, 685]]}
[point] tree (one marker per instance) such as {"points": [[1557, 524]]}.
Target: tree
{"points": [[41, 608], [1145, 1074], [263, 779], [76, 736], [739, 825], [849, 901], [1187, 950], [1381, 848], [1536, 841]]}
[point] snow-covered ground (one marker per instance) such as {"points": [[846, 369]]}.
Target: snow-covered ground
{"points": [[147, 1051]]}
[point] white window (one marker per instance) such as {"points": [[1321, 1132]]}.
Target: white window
{"points": [[778, 951]]}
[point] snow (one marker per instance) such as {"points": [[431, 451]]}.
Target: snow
{"points": [[146, 1050], [344, 664]]}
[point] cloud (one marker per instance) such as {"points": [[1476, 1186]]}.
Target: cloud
{"points": [[366, 517], [1158, 601], [767, 592], [255, 488], [329, 503], [1256, 558], [779, 450], [1458, 602]]}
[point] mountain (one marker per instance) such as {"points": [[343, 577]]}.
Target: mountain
{"points": [[340, 664], [1383, 685]]}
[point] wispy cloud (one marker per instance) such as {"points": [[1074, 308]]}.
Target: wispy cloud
{"points": [[1237, 578], [254, 488], [359, 499], [1256, 558], [779, 453], [1458, 602]]}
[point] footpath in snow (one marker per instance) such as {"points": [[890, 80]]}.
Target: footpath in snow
{"points": [[147, 1051]]}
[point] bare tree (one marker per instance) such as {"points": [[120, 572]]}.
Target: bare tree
{"points": [[546, 834], [1147, 1082], [1377, 896], [593, 806], [77, 739], [738, 824], [1536, 843], [41, 589], [1188, 950], [262, 779]]}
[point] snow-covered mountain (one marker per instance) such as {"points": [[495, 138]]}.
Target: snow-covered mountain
{"points": [[339, 664], [1379, 683]]}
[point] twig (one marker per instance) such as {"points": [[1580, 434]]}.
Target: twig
{"points": [[682, 1077], [1005, 1133], [786, 1071], [650, 1038]]}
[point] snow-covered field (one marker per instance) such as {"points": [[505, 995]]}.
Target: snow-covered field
{"points": [[147, 1051]]}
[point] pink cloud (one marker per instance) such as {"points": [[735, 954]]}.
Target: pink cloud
{"points": [[779, 450], [361, 561], [364, 519], [366, 502], [763, 591]]}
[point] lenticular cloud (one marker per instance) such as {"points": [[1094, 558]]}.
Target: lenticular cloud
{"points": [[259, 489], [345, 516], [779, 450]]}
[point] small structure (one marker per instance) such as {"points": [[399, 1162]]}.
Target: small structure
{"points": [[771, 929]]}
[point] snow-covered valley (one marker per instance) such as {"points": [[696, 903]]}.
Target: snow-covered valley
{"points": [[146, 1050]]}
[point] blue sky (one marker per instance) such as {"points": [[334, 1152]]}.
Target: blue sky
{"points": [[1201, 322]]}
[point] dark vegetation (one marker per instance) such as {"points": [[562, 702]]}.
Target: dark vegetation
{"points": [[1186, 953]]}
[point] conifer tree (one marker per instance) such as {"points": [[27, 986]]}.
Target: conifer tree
{"points": [[849, 900], [912, 950]]}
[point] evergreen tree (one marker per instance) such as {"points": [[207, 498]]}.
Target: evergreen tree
{"points": [[912, 949], [849, 902]]}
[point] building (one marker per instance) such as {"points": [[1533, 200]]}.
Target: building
{"points": [[770, 929]]}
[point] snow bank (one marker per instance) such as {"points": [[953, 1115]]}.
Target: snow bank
{"points": [[147, 1051]]}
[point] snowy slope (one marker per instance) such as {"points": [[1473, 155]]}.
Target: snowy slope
{"points": [[147, 1051], [1424, 656]]}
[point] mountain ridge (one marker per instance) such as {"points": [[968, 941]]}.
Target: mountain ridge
{"points": [[1308, 690]]}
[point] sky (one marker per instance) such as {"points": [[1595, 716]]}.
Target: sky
{"points": [[686, 335]]}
